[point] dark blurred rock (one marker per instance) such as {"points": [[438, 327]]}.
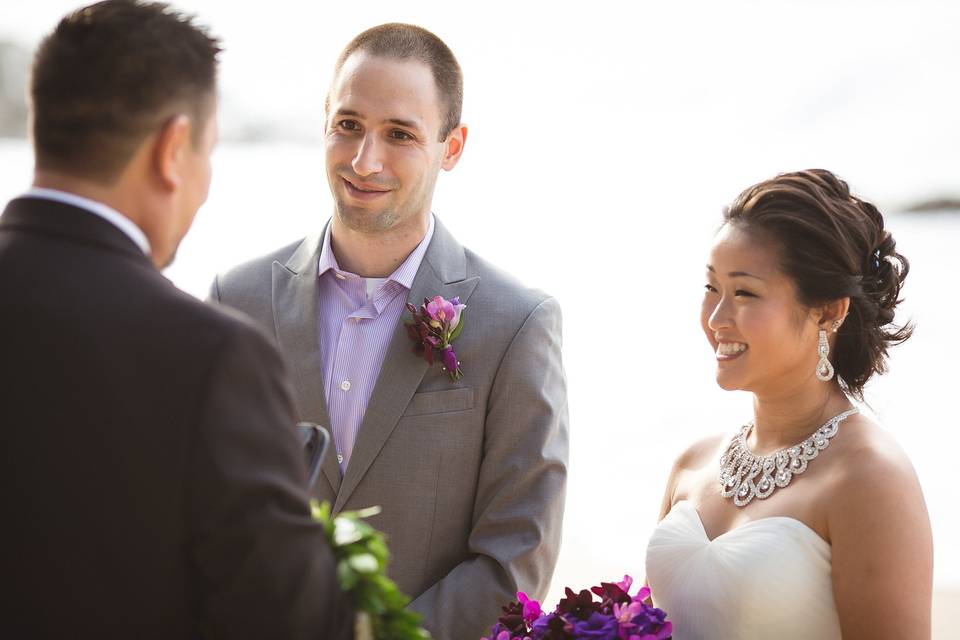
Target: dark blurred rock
{"points": [[14, 70], [935, 204]]}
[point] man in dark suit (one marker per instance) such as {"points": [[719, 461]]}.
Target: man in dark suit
{"points": [[153, 484]]}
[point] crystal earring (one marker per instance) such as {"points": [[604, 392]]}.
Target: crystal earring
{"points": [[824, 368]]}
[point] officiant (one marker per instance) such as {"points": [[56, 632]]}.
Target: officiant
{"points": [[154, 486]]}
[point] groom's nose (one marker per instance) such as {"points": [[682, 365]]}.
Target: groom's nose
{"points": [[367, 160]]}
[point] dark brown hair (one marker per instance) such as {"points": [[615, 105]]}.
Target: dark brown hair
{"points": [[833, 245], [108, 76], [408, 42]]}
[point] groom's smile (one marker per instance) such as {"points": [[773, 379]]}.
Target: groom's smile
{"points": [[364, 191]]}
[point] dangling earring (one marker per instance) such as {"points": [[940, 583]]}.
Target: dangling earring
{"points": [[824, 368]]}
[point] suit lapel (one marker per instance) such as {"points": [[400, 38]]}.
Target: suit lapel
{"points": [[442, 272], [296, 314]]}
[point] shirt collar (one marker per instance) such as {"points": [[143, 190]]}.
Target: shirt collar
{"points": [[402, 275], [114, 217]]}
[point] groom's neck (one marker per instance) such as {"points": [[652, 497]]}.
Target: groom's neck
{"points": [[375, 254]]}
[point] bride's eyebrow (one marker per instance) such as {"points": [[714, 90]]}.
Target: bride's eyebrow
{"points": [[735, 274]]}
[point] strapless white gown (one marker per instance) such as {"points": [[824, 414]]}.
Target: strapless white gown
{"points": [[768, 578]]}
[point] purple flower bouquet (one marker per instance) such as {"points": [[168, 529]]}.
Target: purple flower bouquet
{"points": [[616, 616]]}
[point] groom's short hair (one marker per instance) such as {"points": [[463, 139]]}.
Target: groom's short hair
{"points": [[400, 41], [108, 76]]}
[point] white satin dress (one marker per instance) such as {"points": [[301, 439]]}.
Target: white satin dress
{"points": [[768, 578]]}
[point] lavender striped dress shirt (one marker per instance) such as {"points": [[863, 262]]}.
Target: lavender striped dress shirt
{"points": [[358, 317]]}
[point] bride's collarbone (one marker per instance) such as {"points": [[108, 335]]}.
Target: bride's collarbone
{"points": [[805, 500]]}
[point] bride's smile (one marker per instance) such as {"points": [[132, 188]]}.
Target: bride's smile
{"points": [[763, 338]]}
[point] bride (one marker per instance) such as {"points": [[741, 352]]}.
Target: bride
{"points": [[809, 521]]}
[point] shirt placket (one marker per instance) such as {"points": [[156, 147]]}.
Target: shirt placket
{"points": [[349, 376]]}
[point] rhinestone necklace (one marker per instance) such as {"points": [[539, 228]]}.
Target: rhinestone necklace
{"points": [[739, 466]]}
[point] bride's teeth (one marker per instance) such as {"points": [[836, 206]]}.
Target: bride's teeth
{"points": [[730, 348]]}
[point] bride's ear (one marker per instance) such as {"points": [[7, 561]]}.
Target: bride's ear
{"points": [[832, 314]]}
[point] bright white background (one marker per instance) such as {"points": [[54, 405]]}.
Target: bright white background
{"points": [[604, 142]]}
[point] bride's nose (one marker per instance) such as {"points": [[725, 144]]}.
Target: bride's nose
{"points": [[721, 317]]}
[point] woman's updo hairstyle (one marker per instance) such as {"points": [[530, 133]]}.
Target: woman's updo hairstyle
{"points": [[832, 245]]}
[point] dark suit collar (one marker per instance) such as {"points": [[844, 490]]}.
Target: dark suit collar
{"points": [[51, 218]]}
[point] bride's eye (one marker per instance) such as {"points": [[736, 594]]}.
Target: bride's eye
{"points": [[747, 294], [709, 288]]}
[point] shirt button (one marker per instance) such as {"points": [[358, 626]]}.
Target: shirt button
{"points": [[345, 385], [340, 458]]}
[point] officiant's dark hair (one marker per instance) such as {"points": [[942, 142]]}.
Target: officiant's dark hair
{"points": [[833, 245], [400, 41], [108, 76]]}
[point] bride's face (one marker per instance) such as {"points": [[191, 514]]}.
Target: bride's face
{"points": [[763, 339]]}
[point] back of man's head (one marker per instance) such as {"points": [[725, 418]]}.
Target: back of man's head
{"points": [[111, 74], [409, 42]]}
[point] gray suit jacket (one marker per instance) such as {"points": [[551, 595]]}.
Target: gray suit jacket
{"points": [[471, 474]]}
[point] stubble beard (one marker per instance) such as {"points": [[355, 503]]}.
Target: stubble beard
{"points": [[362, 221]]}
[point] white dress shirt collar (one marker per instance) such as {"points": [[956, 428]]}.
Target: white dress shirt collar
{"points": [[114, 217]]}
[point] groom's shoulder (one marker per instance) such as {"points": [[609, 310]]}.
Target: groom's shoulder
{"points": [[255, 274], [503, 291]]}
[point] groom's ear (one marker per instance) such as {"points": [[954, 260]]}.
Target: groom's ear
{"points": [[453, 147]]}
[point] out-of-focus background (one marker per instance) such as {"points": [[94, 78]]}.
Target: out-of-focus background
{"points": [[605, 139]]}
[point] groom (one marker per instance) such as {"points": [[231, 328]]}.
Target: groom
{"points": [[470, 472], [153, 485]]}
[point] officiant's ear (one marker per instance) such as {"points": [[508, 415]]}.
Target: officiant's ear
{"points": [[453, 146], [830, 316], [170, 149]]}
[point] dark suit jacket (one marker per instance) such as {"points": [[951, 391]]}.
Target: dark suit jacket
{"points": [[152, 482]]}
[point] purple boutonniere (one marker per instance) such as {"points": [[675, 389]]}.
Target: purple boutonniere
{"points": [[436, 324]]}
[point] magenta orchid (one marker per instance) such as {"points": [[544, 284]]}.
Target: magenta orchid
{"points": [[435, 325], [578, 616]]}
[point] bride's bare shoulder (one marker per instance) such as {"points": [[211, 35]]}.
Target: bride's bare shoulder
{"points": [[867, 452], [686, 467], [872, 478], [705, 451]]}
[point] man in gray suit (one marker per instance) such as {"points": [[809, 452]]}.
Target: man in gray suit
{"points": [[470, 471]]}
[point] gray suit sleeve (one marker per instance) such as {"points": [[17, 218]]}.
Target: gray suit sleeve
{"points": [[518, 512], [214, 295], [261, 565]]}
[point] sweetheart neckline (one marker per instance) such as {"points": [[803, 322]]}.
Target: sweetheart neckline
{"points": [[802, 525]]}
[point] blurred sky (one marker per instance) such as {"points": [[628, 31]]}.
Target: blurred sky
{"points": [[868, 88]]}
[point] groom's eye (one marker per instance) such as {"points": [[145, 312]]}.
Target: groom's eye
{"points": [[349, 125], [398, 134], [710, 288]]}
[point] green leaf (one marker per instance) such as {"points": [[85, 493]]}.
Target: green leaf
{"points": [[345, 531], [456, 332], [361, 553], [346, 576], [364, 563], [367, 513]]}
